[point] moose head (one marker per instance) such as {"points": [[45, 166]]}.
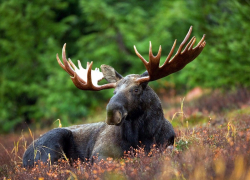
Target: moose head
{"points": [[130, 89]]}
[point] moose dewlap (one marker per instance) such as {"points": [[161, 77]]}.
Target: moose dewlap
{"points": [[134, 114]]}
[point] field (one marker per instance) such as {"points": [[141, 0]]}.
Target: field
{"points": [[213, 142]]}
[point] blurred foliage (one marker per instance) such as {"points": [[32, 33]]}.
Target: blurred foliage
{"points": [[34, 89]]}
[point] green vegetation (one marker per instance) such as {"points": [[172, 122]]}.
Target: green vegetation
{"points": [[34, 89]]}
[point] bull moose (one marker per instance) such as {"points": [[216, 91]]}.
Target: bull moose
{"points": [[134, 114]]}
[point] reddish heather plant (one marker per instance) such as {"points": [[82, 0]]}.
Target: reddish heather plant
{"points": [[202, 152]]}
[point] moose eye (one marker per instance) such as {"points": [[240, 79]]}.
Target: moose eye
{"points": [[136, 90]]}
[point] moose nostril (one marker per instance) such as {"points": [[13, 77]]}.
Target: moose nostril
{"points": [[113, 117], [118, 116]]}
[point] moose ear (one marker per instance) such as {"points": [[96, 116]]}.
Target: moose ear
{"points": [[110, 74], [144, 74]]}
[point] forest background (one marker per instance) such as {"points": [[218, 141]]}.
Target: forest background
{"points": [[35, 90]]}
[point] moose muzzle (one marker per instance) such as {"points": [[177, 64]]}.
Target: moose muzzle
{"points": [[116, 112], [114, 117]]}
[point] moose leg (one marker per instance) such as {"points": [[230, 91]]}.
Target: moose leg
{"points": [[56, 143]]}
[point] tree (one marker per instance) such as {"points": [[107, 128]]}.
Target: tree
{"points": [[33, 88]]}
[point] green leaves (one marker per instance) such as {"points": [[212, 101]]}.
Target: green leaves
{"points": [[33, 88]]}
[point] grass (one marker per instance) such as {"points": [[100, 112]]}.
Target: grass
{"points": [[209, 145]]}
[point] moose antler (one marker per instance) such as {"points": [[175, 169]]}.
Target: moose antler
{"points": [[179, 61], [82, 78]]}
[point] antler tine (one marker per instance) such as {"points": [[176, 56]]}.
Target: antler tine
{"points": [[171, 65], [185, 39], [170, 54], [89, 79], [59, 62], [63, 66], [140, 56], [72, 64], [202, 41], [154, 61], [66, 63], [190, 44]]}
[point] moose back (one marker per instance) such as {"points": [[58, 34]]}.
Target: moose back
{"points": [[134, 114]]}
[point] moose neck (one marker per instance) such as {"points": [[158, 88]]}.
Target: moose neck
{"points": [[142, 124]]}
